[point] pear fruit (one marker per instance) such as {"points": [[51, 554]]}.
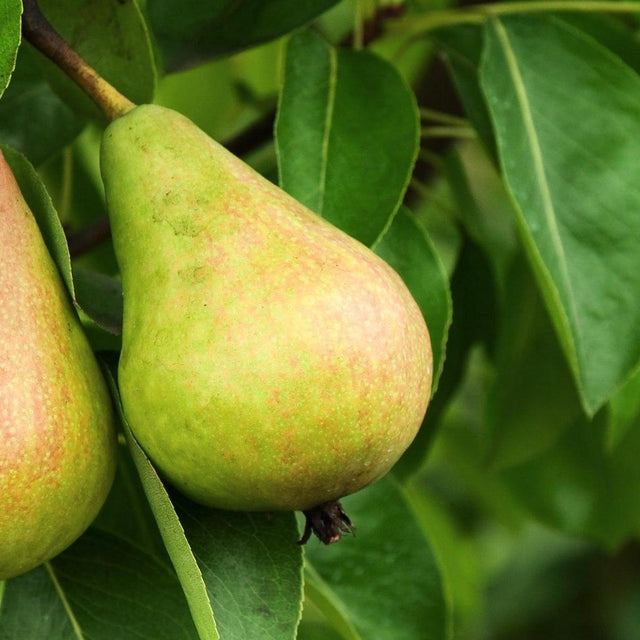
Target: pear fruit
{"points": [[270, 361], [57, 432]]}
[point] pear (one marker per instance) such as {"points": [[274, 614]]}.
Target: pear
{"points": [[57, 435], [269, 361]]}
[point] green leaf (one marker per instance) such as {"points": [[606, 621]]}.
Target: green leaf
{"points": [[385, 578], [533, 397], [101, 588], [474, 303], [347, 135], [327, 604], [241, 572], [10, 11], [462, 46], [33, 119], [112, 37], [581, 488], [624, 409], [408, 249], [252, 567], [569, 143], [212, 28], [100, 297], [483, 207]]}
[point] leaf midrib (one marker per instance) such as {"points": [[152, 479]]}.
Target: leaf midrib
{"points": [[77, 630], [328, 123], [539, 172]]}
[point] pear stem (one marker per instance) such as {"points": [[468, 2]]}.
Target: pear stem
{"points": [[41, 34], [328, 522]]}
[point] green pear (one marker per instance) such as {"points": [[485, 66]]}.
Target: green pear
{"points": [[270, 361], [57, 435]]}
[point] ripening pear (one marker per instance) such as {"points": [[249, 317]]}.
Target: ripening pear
{"points": [[57, 435], [270, 361]]}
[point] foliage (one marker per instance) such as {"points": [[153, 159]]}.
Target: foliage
{"points": [[488, 153]]}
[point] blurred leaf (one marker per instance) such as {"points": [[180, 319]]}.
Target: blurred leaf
{"points": [[543, 573], [43, 211], [483, 207], [569, 142], [386, 578], [101, 588], [33, 119], [214, 28], [473, 296], [346, 134], [100, 297], [533, 396], [580, 488], [10, 11], [408, 249], [314, 625], [624, 408], [241, 572], [462, 46], [327, 604], [458, 555], [112, 37]]}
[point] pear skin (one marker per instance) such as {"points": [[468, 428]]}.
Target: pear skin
{"points": [[57, 432], [270, 361]]}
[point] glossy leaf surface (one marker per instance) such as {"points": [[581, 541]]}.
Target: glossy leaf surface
{"points": [[567, 119], [346, 135]]}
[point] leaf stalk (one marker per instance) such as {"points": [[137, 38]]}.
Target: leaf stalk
{"points": [[41, 34]]}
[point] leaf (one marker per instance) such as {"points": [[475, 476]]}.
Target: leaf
{"points": [[569, 143], [610, 32], [330, 608], [126, 512], [220, 27], [101, 588], [112, 37], [10, 11], [462, 47], [241, 572], [580, 488], [386, 577], [533, 397], [408, 249], [252, 567], [624, 409], [474, 310], [100, 297], [33, 119], [347, 135], [483, 207]]}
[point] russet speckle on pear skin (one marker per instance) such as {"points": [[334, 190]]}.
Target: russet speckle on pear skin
{"points": [[269, 360], [57, 436]]}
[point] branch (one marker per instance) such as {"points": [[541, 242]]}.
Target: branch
{"points": [[41, 34]]}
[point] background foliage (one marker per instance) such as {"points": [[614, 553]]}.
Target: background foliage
{"points": [[490, 154]]}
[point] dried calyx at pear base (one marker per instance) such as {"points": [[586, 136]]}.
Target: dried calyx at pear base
{"points": [[270, 361], [57, 430]]}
